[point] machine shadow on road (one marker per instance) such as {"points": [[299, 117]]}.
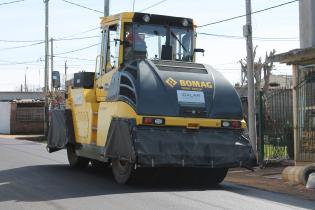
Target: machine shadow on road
{"points": [[53, 182]]}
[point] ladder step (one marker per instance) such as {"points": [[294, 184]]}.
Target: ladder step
{"points": [[94, 128], [95, 113]]}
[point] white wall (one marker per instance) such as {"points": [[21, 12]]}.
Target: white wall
{"points": [[5, 114]]}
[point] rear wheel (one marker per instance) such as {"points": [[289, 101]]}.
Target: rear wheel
{"points": [[122, 171], [74, 160]]}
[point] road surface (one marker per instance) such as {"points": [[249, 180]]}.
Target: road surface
{"points": [[31, 178]]}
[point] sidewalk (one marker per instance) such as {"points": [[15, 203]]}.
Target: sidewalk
{"points": [[37, 138], [268, 179]]}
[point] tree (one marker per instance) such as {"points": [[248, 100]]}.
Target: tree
{"points": [[267, 68], [259, 66]]}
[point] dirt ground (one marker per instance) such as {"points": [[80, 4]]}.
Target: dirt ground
{"points": [[268, 179]]}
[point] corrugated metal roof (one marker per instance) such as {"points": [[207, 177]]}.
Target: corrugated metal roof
{"points": [[304, 56], [10, 96], [27, 101]]}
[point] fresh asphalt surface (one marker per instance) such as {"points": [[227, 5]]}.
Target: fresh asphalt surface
{"points": [[31, 178]]}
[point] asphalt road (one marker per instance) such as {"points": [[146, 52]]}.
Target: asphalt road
{"points": [[31, 178]]}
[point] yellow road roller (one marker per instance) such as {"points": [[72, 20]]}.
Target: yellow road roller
{"points": [[150, 107]]}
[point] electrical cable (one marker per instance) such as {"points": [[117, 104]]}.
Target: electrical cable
{"points": [[240, 16], [19, 41], [76, 50], [18, 63], [79, 5], [75, 58], [79, 33], [59, 39], [76, 38], [11, 2], [22, 46], [287, 39], [153, 5]]}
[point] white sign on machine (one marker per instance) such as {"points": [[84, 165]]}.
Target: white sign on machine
{"points": [[190, 97]]}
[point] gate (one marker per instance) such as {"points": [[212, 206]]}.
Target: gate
{"points": [[306, 116], [276, 126]]}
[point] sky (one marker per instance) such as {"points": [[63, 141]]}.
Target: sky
{"points": [[24, 21]]}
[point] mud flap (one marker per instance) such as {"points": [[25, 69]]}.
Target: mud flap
{"points": [[57, 131], [119, 144], [210, 148]]}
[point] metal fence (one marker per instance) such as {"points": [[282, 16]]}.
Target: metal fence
{"points": [[306, 115], [276, 126]]}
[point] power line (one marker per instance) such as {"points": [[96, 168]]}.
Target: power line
{"points": [[76, 50], [41, 42], [224, 64], [60, 39], [287, 39], [201, 33], [20, 62], [240, 16], [11, 2], [76, 38], [153, 5], [22, 46], [19, 41], [75, 58], [79, 33], [79, 5]]}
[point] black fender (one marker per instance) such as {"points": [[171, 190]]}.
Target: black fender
{"points": [[70, 136], [119, 144], [57, 134]]}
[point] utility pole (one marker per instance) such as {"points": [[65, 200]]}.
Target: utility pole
{"points": [[247, 30], [46, 68], [25, 82], [106, 8], [51, 59], [133, 5], [66, 69], [39, 80]]}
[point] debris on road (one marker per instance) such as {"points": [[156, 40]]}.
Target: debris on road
{"points": [[311, 181]]}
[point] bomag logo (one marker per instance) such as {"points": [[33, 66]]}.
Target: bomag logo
{"points": [[171, 82], [188, 84], [195, 84]]}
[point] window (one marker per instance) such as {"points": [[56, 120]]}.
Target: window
{"points": [[100, 56], [148, 40], [112, 57], [181, 40]]}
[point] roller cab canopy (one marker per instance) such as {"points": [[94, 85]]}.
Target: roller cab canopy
{"points": [[128, 36]]}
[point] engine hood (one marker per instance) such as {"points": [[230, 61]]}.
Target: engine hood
{"points": [[178, 89], [169, 88]]}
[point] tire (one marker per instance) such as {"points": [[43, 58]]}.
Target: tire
{"points": [[123, 171], [74, 160]]}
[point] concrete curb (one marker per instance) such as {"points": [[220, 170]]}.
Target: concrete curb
{"points": [[298, 174]]}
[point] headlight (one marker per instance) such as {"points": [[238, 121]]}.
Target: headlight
{"points": [[146, 18]]}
